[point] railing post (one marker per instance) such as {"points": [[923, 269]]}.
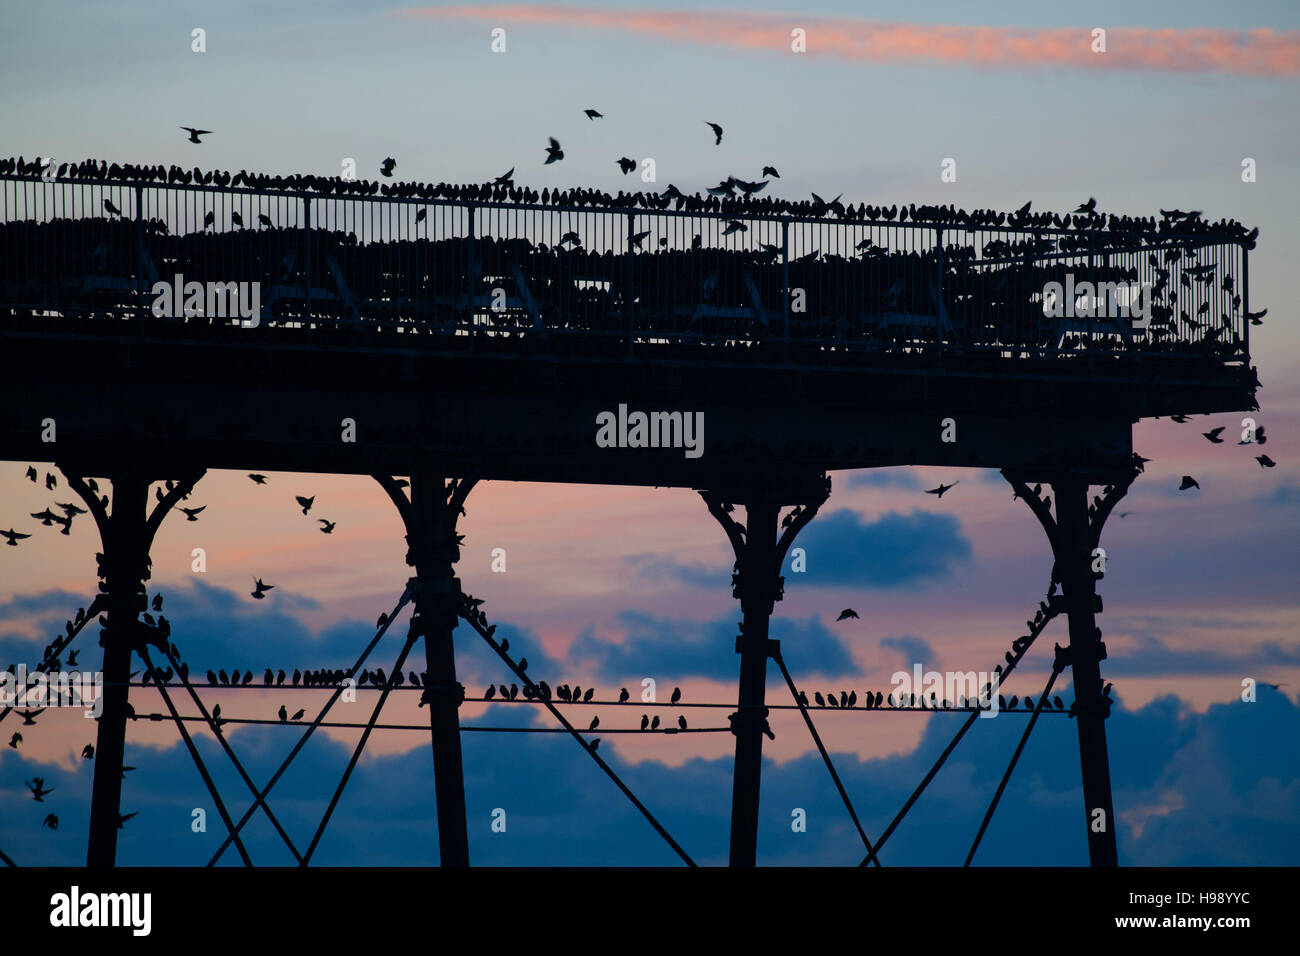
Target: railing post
{"points": [[627, 283], [785, 288], [140, 272], [306, 253], [471, 214], [938, 292]]}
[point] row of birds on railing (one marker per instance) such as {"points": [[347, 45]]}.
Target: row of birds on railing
{"points": [[731, 196]]}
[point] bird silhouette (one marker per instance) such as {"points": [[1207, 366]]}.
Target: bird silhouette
{"points": [[13, 537], [717, 132], [623, 695], [626, 165], [123, 817], [770, 171], [237, 219], [846, 614], [591, 692], [263, 220], [157, 602], [677, 695], [1088, 206], [283, 714], [654, 724], [327, 527], [595, 722], [306, 503], [593, 115], [29, 716], [260, 589], [15, 740], [505, 179], [88, 752], [681, 721], [645, 721], [50, 481], [817, 696], [553, 152], [50, 821], [31, 473], [491, 692], [1188, 482], [1265, 461], [387, 166], [37, 786], [72, 658], [1213, 435], [196, 133], [942, 488], [523, 664], [298, 715], [192, 514]]}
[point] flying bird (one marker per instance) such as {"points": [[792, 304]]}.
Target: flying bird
{"points": [[1213, 435], [770, 171], [326, 526], [942, 488], [553, 152], [594, 115], [196, 133], [1089, 206], [88, 752], [627, 165], [13, 536], [260, 589], [31, 473], [192, 514], [505, 179], [847, 613], [1265, 461], [305, 502], [1188, 482], [387, 166], [29, 716], [37, 786], [50, 821], [717, 132], [15, 740]]}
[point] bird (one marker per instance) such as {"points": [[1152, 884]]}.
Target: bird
{"points": [[421, 214], [677, 695], [491, 692], [192, 514], [626, 165], [505, 179], [15, 740], [260, 589], [196, 133], [298, 715], [13, 536], [817, 696], [326, 526], [31, 473], [654, 724], [1088, 206], [209, 220], [37, 786], [258, 479], [237, 219], [717, 132], [1213, 435], [46, 517], [523, 664], [50, 481], [1188, 482], [29, 716], [108, 205], [553, 152], [72, 658], [1256, 318], [681, 721], [586, 698], [157, 602], [387, 166], [847, 613], [770, 171], [88, 752], [50, 821], [595, 722], [123, 817], [593, 115], [645, 721], [623, 695], [284, 714], [306, 503], [734, 225], [264, 220], [1265, 461], [942, 488], [279, 678]]}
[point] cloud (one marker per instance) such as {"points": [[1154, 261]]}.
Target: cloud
{"points": [[1258, 52], [1285, 495], [656, 569], [703, 648], [1152, 658], [894, 551], [883, 478], [913, 649]]}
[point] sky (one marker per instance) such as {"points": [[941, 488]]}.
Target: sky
{"points": [[607, 586]]}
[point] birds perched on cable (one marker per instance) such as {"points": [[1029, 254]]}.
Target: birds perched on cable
{"points": [[196, 133], [260, 589], [623, 695], [942, 489]]}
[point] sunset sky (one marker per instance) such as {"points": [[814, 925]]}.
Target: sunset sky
{"points": [[605, 586]]}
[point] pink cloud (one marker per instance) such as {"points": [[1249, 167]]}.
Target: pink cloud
{"points": [[1260, 52]]}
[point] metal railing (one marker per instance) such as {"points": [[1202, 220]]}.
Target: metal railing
{"points": [[630, 278]]}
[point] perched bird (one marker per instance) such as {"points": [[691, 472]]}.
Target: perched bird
{"points": [[817, 696], [326, 526], [1188, 482], [387, 166], [298, 715], [593, 115], [237, 219], [645, 721], [623, 695], [677, 695], [108, 205], [258, 479], [13, 537], [260, 589], [157, 602], [553, 152], [942, 488], [770, 171], [88, 752], [196, 133], [1213, 435], [847, 613], [306, 503], [595, 722], [717, 132], [586, 698], [284, 714], [192, 514], [654, 724], [263, 220], [1265, 461], [626, 165], [421, 214], [491, 692], [681, 722]]}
